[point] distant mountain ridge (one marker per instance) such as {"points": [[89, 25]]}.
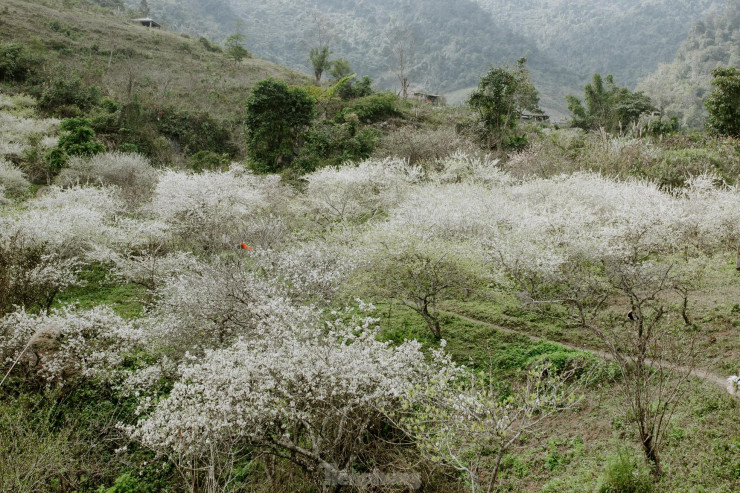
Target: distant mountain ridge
{"points": [[565, 41], [457, 42], [679, 87], [626, 38]]}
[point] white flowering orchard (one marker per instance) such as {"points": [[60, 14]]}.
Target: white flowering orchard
{"points": [[243, 353]]}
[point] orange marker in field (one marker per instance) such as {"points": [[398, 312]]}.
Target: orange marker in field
{"points": [[244, 246]]}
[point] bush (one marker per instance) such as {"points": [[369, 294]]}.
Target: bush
{"points": [[17, 62], [194, 132], [333, 145], [208, 161], [419, 145], [131, 173], [373, 108], [213, 48], [29, 276], [77, 142], [356, 89], [67, 95], [12, 181], [625, 474]]}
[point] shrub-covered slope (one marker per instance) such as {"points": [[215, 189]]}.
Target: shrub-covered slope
{"points": [[124, 58]]}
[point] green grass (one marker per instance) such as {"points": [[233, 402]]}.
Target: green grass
{"points": [[506, 311], [476, 345], [98, 288]]}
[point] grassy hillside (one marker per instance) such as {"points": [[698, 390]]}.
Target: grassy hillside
{"points": [[125, 59]]}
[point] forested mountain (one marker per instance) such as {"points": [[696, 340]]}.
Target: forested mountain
{"points": [[455, 43], [680, 87], [565, 41], [626, 38]]}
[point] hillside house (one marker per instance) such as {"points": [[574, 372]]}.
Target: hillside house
{"points": [[432, 99], [148, 22], [535, 118]]}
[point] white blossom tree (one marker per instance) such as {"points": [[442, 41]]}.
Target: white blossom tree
{"points": [[310, 395]]}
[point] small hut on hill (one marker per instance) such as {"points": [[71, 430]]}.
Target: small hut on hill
{"points": [[148, 22]]}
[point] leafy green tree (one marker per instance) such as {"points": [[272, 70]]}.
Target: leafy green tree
{"points": [[503, 94], [320, 61], [340, 69], [17, 62], [608, 106], [78, 141], [276, 117], [723, 104], [235, 47]]}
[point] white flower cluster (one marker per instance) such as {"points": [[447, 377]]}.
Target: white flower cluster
{"points": [[304, 391], [67, 343], [213, 208], [12, 180], [132, 174], [216, 303], [357, 193], [312, 270], [71, 221], [15, 132]]}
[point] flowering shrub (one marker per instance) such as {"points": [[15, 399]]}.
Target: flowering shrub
{"points": [[15, 132], [415, 268], [215, 304], [211, 210], [69, 222], [357, 193], [314, 396], [12, 181], [30, 276], [131, 173], [475, 169], [311, 271], [67, 343]]}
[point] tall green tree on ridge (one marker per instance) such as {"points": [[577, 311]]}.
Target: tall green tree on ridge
{"points": [[723, 104], [503, 94], [276, 117], [608, 106]]}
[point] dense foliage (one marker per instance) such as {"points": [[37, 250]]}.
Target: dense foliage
{"points": [[276, 116], [628, 38], [723, 104], [503, 95], [359, 32], [608, 106]]}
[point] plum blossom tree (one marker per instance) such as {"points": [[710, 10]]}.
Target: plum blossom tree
{"points": [[211, 211], [215, 304], [416, 269], [316, 397], [470, 426], [587, 243], [67, 343], [357, 193]]}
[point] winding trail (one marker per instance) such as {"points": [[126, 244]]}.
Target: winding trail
{"points": [[705, 375]]}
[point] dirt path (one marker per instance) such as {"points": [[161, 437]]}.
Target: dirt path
{"points": [[698, 373]]}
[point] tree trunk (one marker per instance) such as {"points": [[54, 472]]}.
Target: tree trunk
{"points": [[432, 321], [651, 454]]}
